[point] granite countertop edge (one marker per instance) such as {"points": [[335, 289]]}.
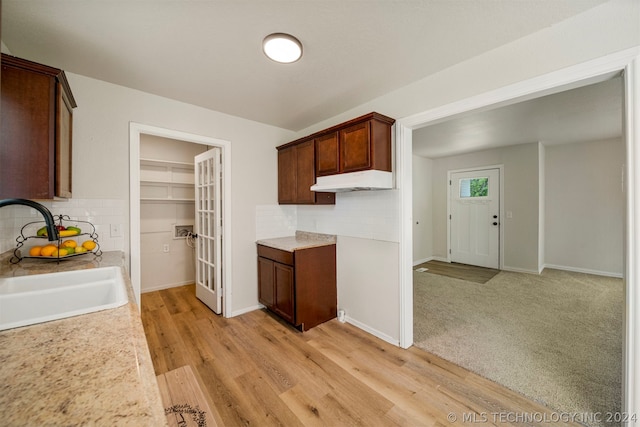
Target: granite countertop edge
{"points": [[90, 369], [301, 240]]}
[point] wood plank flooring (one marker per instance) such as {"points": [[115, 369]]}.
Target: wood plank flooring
{"points": [[470, 273], [258, 371], [184, 402]]}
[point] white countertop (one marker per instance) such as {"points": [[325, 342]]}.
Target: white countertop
{"points": [[301, 240]]}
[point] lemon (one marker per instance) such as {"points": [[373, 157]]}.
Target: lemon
{"points": [[59, 253], [89, 245], [48, 250], [69, 244], [35, 251], [80, 250]]}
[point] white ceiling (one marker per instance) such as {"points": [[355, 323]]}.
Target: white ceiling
{"points": [[208, 52], [588, 113]]}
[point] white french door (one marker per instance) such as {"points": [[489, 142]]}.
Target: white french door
{"points": [[208, 174], [474, 200]]}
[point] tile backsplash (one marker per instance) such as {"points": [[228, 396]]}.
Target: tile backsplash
{"points": [[102, 213], [371, 215]]}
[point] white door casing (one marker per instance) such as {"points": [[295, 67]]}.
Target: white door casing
{"points": [[208, 221], [475, 217], [137, 129]]}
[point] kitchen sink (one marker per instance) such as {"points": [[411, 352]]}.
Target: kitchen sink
{"points": [[27, 300]]}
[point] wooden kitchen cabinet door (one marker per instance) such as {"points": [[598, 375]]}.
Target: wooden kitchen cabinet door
{"points": [[287, 171], [327, 155], [276, 283], [266, 290], [35, 131], [284, 291], [296, 175], [64, 116], [305, 172], [355, 148]]}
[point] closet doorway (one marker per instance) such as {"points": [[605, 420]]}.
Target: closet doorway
{"points": [[163, 205]]}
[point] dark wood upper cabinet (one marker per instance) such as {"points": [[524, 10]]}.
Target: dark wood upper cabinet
{"points": [[287, 173], [359, 144], [327, 154], [35, 131], [305, 172], [296, 175]]}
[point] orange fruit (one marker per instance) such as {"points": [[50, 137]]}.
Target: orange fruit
{"points": [[35, 251], [89, 245], [48, 250], [69, 244]]}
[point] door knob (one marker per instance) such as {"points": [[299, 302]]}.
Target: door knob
{"points": [[495, 216], [495, 223]]}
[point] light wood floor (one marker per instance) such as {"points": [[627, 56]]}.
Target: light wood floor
{"points": [[258, 371], [470, 273]]}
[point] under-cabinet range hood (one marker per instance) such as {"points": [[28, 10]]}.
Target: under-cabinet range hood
{"points": [[353, 181]]}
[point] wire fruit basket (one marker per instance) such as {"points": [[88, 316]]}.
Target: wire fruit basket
{"points": [[76, 238]]}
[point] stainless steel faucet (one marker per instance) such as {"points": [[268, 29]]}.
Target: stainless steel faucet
{"points": [[52, 231]]}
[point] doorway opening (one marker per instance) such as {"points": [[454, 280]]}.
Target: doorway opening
{"points": [[573, 77], [174, 190]]}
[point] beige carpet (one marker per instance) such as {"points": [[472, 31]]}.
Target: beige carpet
{"points": [[556, 338]]}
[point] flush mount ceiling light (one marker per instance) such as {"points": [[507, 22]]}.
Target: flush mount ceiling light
{"points": [[282, 48]]}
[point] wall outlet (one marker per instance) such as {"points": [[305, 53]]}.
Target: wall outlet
{"points": [[165, 248]]}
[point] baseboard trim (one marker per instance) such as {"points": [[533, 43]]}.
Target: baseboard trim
{"points": [[420, 261], [165, 286], [519, 270], [372, 331], [431, 258], [246, 310], [583, 270]]}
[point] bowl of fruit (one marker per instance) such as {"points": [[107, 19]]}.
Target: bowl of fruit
{"points": [[64, 249]]}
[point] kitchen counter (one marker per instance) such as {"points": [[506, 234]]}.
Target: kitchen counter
{"points": [[93, 369], [301, 240]]}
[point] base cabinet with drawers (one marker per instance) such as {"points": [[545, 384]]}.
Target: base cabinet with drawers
{"points": [[299, 286]]}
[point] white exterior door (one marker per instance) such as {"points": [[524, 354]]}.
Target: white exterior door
{"points": [[209, 228], [475, 217]]}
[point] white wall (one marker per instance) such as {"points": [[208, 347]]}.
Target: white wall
{"points": [[520, 198], [364, 214], [160, 269], [422, 210], [101, 159], [575, 220], [367, 285], [542, 196], [584, 207]]}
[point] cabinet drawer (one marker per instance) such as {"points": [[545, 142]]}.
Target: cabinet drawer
{"points": [[278, 255]]}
